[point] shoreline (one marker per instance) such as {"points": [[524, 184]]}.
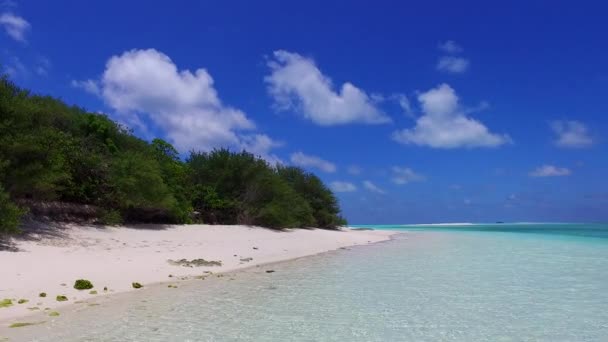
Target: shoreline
{"points": [[99, 254]]}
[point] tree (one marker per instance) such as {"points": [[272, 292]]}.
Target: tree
{"points": [[10, 214], [50, 151], [324, 205]]}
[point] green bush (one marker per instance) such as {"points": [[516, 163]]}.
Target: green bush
{"points": [[50, 151], [10, 214], [42, 294], [83, 284], [61, 298], [111, 218], [137, 285]]}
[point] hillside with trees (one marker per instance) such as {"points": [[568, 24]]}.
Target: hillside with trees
{"points": [[64, 163]]}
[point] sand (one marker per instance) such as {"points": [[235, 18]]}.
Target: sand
{"points": [[50, 261]]}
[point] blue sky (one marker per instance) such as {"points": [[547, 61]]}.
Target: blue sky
{"points": [[432, 111]]}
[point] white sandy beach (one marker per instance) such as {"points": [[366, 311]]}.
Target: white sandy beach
{"points": [[115, 257]]}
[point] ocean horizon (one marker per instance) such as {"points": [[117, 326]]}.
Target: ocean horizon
{"points": [[535, 282]]}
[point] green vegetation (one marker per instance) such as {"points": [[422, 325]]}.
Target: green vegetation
{"points": [[10, 214], [137, 285], [23, 324], [195, 262], [93, 292], [238, 188], [61, 298], [5, 303], [93, 169], [22, 301], [53, 313], [42, 294], [83, 284]]}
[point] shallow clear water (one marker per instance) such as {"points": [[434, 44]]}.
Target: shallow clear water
{"points": [[425, 285]]}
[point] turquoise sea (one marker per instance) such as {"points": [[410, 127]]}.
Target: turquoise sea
{"points": [[499, 282]]}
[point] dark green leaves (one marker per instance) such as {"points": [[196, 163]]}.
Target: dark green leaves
{"points": [[50, 151]]}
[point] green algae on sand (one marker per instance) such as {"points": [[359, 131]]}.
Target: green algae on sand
{"points": [[24, 324], [83, 284], [5, 303]]}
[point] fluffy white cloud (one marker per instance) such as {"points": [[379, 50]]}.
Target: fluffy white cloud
{"points": [[404, 175], [445, 125], [342, 187], [450, 46], [572, 134], [90, 86], [296, 83], [454, 65], [146, 84], [262, 145], [372, 187], [550, 171], [304, 160], [15, 26]]}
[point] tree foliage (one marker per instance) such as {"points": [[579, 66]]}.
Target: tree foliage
{"points": [[10, 214], [50, 151]]}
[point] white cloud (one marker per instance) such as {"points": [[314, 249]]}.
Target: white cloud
{"points": [[304, 160], [261, 145], [550, 171], [445, 125], [372, 187], [404, 175], [342, 187], [15, 26], [454, 65], [354, 170], [450, 46], [16, 69], [572, 134], [296, 83], [90, 86], [43, 65], [404, 103], [145, 85]]}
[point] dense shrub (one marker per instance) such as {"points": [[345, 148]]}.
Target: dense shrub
{"points": [[54, 153], [10, 214]]}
